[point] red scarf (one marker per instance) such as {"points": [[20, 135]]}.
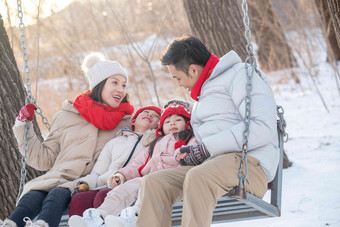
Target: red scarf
{"points": [[101, 116], [208, 68]]}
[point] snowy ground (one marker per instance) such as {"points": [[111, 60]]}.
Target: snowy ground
{"points": [[311, 195]]}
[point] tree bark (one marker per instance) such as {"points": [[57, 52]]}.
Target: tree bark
{"points": [[330, 21], [274, 53], [218, 24], [12, 98], [334, 9]]}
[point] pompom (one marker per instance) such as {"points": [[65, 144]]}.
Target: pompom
{"points": [[91, 59]]}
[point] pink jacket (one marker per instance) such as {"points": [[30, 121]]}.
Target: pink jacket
{"points": [[162, 158]]}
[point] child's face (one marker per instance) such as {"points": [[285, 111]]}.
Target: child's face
{"points": [[147, 119], [174, 123]]}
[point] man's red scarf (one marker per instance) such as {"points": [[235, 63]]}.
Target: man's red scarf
{"points": [[208, 68], [101, 116]]}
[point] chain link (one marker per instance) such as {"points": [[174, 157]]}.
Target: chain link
{"points": [[250, 62], [282, 122], [29, 98]]}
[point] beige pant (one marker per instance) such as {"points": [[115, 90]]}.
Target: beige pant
{"points": [[198, 186], [120, 197]]}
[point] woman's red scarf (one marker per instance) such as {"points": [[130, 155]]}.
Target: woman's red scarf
{"points": [[101, 116], [208, 68]]}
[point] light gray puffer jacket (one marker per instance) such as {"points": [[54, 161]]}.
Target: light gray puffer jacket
{"points": [[218, 116]]}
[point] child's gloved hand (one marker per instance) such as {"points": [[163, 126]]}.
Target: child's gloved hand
{"points": [[26, 112], [192, 154], [180, 156], [115, 180]]}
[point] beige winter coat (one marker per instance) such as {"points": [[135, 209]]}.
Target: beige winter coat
{"points": [[69, 150]]}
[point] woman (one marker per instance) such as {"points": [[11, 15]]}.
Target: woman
{"points": [[78, 134]]}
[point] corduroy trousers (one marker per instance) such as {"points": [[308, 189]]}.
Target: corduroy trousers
{"points": [[198, 186]]}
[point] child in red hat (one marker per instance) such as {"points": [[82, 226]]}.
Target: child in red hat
{"points": [[117, 153], [173, 132]]}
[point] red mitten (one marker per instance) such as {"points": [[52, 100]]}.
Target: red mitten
{"points": [[26, 112]]}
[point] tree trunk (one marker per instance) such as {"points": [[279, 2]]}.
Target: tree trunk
{"points": [[330, 21], [274, 53], [334, 9], [218, 24], [208, 23], [12, 98]]}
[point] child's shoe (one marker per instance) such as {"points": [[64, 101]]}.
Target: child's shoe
{"points": [[115, 221], [7, 223], [38, 223], [91, 218]]}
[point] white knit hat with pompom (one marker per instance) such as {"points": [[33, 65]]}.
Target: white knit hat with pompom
{"points": [[98, 69]]}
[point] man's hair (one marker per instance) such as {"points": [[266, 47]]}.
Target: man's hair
{"points": [[184, 51]]}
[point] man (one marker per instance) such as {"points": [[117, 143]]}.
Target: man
{"points": [[210, 169]]}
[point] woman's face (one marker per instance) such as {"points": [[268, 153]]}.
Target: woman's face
{"points": [[173, 123], [114, 90]]}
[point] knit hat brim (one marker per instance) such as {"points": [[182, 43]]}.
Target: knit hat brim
{"points": [[155, 108], [172, 109]]}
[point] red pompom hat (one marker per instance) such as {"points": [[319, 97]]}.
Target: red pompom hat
{"points": [[155, 108], [173, 109]]}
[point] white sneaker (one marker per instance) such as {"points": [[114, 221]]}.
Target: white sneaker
{"points": [[91, 218], [76, 221], [7, 223], [38, 223], [115, 221]]}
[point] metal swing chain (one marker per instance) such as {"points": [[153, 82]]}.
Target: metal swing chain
{"points": [[249, 62], [29, 98], [282, 123]]}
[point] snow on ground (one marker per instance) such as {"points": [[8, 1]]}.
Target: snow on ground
{"points": [[310, 193]]}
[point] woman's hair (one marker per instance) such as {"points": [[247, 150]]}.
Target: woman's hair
{"points": [[183, 135], [96, 93]]}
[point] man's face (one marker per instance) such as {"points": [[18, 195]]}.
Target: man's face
{"points": [[183, 80]]}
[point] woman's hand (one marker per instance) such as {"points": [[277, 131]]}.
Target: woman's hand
{"points": [[26, 112]]}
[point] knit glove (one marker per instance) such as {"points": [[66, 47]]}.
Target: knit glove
{"points": [[26, 112], [196, 154], [81, 187]]}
